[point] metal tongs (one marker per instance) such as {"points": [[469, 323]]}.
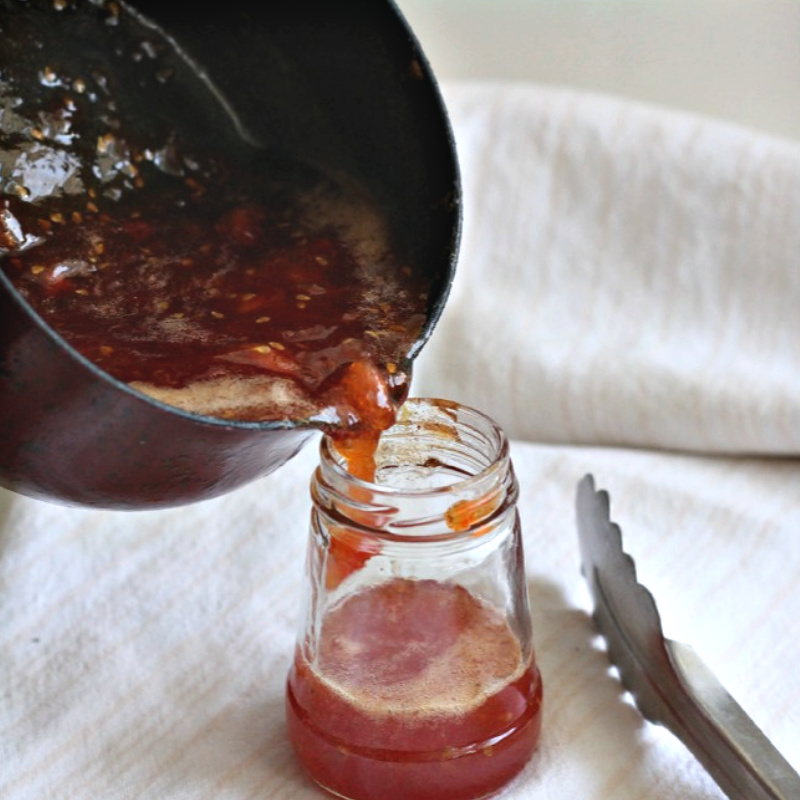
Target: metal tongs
{"points": [[669, 682]]}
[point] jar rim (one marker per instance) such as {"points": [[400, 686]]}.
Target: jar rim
{"points": [[497, 463]]}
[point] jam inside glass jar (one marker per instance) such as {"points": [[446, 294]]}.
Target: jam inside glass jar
{"points": [[414, 673]]}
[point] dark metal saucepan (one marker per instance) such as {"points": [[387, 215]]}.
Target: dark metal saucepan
{"points": [[338, 83]]}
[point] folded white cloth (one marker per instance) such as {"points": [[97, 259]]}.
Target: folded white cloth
{"points": [[628, 288], [629, 276]]}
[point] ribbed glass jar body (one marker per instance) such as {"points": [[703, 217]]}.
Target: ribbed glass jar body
{"points": [[414, 674]]}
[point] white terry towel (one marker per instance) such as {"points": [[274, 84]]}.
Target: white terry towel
{"points": [[627, 275], [627, 304]]}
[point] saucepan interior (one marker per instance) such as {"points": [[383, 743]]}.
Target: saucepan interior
{"points": [[340, 85]]}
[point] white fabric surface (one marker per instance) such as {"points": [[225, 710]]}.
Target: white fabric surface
{"points": [[628, 276], [627, 304]]}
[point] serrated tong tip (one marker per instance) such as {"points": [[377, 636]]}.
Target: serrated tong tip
{"points": [[669, 682]]}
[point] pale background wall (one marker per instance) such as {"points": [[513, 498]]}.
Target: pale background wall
{"points": [[737, 60]]}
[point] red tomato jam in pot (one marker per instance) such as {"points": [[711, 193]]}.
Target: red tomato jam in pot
{"points": [[205, 272], [395, 708]]}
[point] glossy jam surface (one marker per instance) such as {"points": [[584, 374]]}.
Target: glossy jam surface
{"points": [[220, 304], [182, 260], [417, 690]]}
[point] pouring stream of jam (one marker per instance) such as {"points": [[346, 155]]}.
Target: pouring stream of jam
{"points": [[212, 275]]}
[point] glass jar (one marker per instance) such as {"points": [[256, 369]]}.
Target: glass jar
{"points": [[414, 673]]}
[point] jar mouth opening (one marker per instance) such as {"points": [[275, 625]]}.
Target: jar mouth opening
{"points": [[458, 447]]}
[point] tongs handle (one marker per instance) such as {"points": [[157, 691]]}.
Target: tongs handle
{"points": [[736, 753]]}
